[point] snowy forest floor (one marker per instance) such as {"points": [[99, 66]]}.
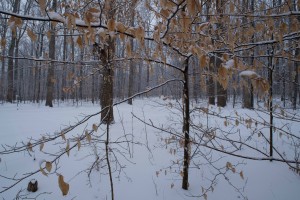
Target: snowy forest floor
{"points": [[147, 165]]}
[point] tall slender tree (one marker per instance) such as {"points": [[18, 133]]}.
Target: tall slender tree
{"points": [[221, 91], [10, 78], [50, 75]]}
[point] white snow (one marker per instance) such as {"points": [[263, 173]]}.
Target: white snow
{"points": [[150, 172], [56, 16], [249, 73], [229, 64]]}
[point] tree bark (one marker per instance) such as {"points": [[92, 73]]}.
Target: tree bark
{"points": [[296, 68], [10, 73], [221, 92], [270, 100], [211, 67], [64, 67], [248, 97], [296, 80], [211, 82], [10, 78], [131, 80], [107, 82], [4, 25], [38, 68], [186, 126], [131, 62], [50, 75], [16, 69]]}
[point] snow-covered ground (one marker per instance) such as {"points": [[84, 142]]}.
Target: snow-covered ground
{"points": [[147, 161]]}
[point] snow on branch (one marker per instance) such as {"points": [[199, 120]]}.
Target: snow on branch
{"points": [[229, 64], [56, 16], [52, 16], [249, 74]]}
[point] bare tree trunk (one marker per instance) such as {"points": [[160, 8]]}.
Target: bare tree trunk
{"points": [[296, 80], [221, 92], [211, 82], [194, 83], [93, 89], [64, 67], [131, 62], [10, 73], [186, 126], [131, 77], [80, 76], [73, 94], [248, 97], [270, 100], [4, 32], [296, 67], [107, 54], [107, 82], [140, 82], [10, 64], [16, 70], [211, 66], [50, 76], [39, 71]]}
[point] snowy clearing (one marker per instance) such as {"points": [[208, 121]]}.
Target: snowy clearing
{"points": [[147, 165]]}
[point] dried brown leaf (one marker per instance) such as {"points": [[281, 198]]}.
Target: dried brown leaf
{"points": [[79, 42], [231, 7], [88, 136], [233, 170], [42, 146], [237, 122], [78, 144], [191, 6], [3, 42], [64, 187], [43, 171], [68, 148], [228, 165], [242, 175], [128, 49], [203, 61], [111, 25], [29, 146], [94, 10], [95, 127], [42, 4], [120, 27], [31, 34], [62, 134], [48, 166]]}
